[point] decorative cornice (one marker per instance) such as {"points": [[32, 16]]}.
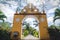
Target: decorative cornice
{"points": [[31, 14]]}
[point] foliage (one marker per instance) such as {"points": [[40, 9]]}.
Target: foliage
{"points": [[4, 31], [26, 32], [52, 26], [2, 16], [58, 27], [4, 35], [35, 33], [27, 26], [54, 32], [5, 26], [31, 31], [57, 14]]}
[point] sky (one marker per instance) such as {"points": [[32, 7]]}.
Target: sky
{"points": [[9, 7]]}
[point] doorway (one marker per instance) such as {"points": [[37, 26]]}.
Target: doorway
{"points": [[30, 28]]}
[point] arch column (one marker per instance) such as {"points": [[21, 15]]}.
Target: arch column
{"points": [[43, 26], [17, 25]]}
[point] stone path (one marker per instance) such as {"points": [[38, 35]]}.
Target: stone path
{"points": [[30, 37]]}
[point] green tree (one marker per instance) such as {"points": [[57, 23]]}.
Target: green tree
{"points": [[52, 26], [2, 16], [4, 35], [5, 26], [26, 32], [27, 25], [35, 33], [57, 14], [30, 30]]}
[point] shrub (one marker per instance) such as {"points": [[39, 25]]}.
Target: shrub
{"points": [[4, 35]]}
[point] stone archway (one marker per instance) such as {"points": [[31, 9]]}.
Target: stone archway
{"points": [[33, 11]]}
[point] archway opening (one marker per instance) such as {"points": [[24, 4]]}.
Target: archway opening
{"points": [[30, 28]]}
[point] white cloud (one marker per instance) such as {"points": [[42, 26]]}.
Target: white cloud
{"points": [[12, 3], [57, 22], [51, 10], [54, 2], [1, 5], [50, 15], [50, 20], [31, 1], [8, 12]]}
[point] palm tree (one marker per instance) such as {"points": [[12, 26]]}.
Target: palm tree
{"points": [[5, 26], [35, 23], [27, 25], [2, 16], [57, 14]]}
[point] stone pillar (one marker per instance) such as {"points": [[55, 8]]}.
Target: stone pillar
{"points": [[43, 26]]}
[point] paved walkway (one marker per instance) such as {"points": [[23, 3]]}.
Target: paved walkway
{"points": [[30, 37]]}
